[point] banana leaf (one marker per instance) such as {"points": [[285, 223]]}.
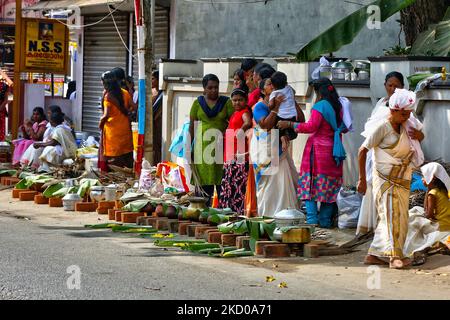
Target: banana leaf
{"points": [[435, 41], [238, 253], [195, 247], [65, 190], [101, 225], [219, 218], [257, 228], [239, 227], [25, 174], [121, 228], [22, 184], [49, 192], [85, 185], [172, 243], [347, 29], [135, 206], [8, 172]]}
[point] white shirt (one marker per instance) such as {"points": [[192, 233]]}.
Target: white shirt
{"points": [[287, 107]]}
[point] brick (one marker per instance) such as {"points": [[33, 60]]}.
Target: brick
{"points": [[200, 231], [38, 187], [16, 192], [301, 235], [229, 240], [112, 214], [191, 229], [279, 250], [182, 227], [141, 220], [215, 237], [118, 204], [162, 223], [3, 181], [311, 250], [259, 246], [40, 199], [8, 181], [86, 206], [131, 217], [27, 195], [243, 242], [55, 202], [118, 216], [173, 225], [102, 210], [151, 221], [106, 204], [207, 232]]}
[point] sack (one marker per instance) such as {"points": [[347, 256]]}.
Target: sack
{"points": [[172, 177], [349, 204]]}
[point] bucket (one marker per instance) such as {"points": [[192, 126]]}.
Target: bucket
{"points": [[110, 193]]}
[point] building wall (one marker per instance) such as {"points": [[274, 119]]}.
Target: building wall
{"points": [[206, 30]]}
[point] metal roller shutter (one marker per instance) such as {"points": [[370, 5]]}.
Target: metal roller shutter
{"points": [[103, 50]]}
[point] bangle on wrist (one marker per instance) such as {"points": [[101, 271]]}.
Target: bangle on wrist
{"points": [[274, 112]]}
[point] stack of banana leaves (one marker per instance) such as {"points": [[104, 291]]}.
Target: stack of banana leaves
{"points": [[124, 228], [257, 228], [59, 189], [202, 247]]}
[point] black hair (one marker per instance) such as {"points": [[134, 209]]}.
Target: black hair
{"points": [[55, 109], [239, 92], [328, 92], [262, 65], [241, 74], [112, 87], [248, 63], [279, 80], [396, 75], [156, 74], [261, 87], [440, 185], [266, 72], [118, 73], [209, 77], [57, 118], [130, 79], [71, 87], [41, 113]]}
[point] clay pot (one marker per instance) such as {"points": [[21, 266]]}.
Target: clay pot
{"points": [[171, 212], [148, 208], [159, 210]]}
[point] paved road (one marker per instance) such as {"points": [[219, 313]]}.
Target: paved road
{"points": [[35, 257]]}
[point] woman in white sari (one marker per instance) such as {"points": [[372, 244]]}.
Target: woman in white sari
{"points": [[60, 145], [275, 172], [395, 156], [367, 221]]}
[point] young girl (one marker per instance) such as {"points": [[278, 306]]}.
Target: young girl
{"points": [[437, 201], [234, 180]]}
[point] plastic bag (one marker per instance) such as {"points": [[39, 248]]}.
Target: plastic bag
{"points": [[172, 176], [323, 63], [178, 144], [349, 204], [147, 179]]}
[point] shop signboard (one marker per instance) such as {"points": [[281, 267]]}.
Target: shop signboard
{"points": [[45, 46], [8, 10]]}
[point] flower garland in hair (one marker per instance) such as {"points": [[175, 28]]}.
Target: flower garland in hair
{"points": [[330, 88]]}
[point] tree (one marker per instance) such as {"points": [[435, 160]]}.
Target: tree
{"points": [[416, 18]]}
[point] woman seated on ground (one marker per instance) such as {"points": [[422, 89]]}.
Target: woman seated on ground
{"points": [[429, 228], [60, 146], [32, 130]]}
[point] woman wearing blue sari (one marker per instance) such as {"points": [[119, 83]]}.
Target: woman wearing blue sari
{"points": [[275, 173]]}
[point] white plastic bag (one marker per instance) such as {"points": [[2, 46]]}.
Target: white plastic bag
{"points": [[323, 63], [147, 179], [349, 204]]}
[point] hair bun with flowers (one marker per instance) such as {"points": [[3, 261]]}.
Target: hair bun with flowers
{"points": [[330, 88]]}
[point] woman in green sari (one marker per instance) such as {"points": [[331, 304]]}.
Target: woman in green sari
{"points": [[209, 117]]}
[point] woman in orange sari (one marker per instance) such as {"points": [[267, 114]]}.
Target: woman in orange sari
{"points": [[117, 141]]}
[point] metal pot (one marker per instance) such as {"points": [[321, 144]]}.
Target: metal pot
{"points": [[111, 192], [363, 75], [362, 64], [97, 193], [289, 217], [70, 200], [341, 70]]}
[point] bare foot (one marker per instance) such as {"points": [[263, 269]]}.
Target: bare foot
{"points": [[406, 262], [373, 260], [396, 263]]}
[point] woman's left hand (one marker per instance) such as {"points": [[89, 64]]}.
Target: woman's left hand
{"points": [[284, 125], [416, 134]]}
